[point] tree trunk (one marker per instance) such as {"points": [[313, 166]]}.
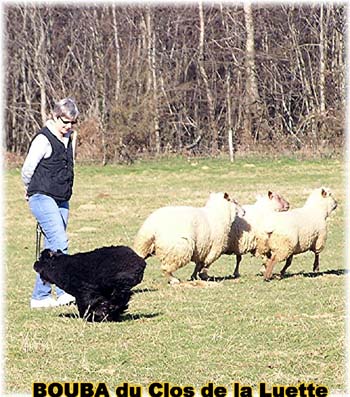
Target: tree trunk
{"points": [[252, 94], [40, 61], [229, 116], [100, 97], [117, 55], [323, 62], [210, 100], [153, 76]]}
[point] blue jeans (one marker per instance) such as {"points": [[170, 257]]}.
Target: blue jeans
{"points": [[52, 217]]}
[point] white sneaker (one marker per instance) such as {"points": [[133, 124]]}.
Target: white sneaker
{"points": [[42, 303], [65, 299]]}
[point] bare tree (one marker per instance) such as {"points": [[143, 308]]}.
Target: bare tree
{"points": [[209, 95], [323, 61], [194, 79], [252, 116], [117, 55], [153, 83]]}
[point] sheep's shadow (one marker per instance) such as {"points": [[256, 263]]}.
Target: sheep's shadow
{"points": [[334, 272], [143, 290], [122, 318], [219, 279]]}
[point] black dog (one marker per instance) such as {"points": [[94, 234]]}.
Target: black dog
{"points": [[100, 280]]}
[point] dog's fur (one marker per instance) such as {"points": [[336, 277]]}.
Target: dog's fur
{"points": [[100, 280]]}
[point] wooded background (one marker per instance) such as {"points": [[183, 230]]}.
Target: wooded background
{"points": [[192, 78]]}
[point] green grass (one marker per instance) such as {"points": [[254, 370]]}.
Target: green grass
{"points": [[248, 331]]}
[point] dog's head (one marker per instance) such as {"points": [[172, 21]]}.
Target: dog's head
{"points": [[46, 264]]}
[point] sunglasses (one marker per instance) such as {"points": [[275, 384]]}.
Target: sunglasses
{"points": [[67, 121]]}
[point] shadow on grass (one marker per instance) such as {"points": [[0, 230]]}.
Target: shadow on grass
{"points": [[123, 317], [140, 316], [335, 272], [221, 278], [143, 290]]}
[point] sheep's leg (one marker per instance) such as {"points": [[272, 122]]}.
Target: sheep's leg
{"points": [[262, 268], [236, 271], [265, 257], [203, 275], [316, 263], [286, 266], [269, 267], [198, 268], [171, 278]]}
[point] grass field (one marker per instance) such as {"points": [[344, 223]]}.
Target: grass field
{"points": [[246, 330]]}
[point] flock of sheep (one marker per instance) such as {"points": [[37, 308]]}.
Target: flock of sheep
{"points": [[101, 280], [177, 235]]}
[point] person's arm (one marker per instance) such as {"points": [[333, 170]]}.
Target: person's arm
{"points": [[39, 148]]}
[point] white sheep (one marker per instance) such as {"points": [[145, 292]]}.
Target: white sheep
{"points": [[180, 234], [299, 230], [245, 235]]}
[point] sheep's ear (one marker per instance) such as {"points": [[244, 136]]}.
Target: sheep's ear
{"points": [[270, 194], [324, 192], [226, 196]]}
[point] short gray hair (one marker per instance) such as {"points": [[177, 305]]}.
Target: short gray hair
{"points": [[66, 107]]}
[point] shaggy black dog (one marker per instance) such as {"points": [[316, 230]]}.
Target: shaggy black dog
{"points": [[100, 280]]}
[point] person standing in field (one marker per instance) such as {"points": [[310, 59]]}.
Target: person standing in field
{"points": [[47, 174]]}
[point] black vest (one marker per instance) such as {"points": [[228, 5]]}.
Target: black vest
{"points": [[54, 176]]}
